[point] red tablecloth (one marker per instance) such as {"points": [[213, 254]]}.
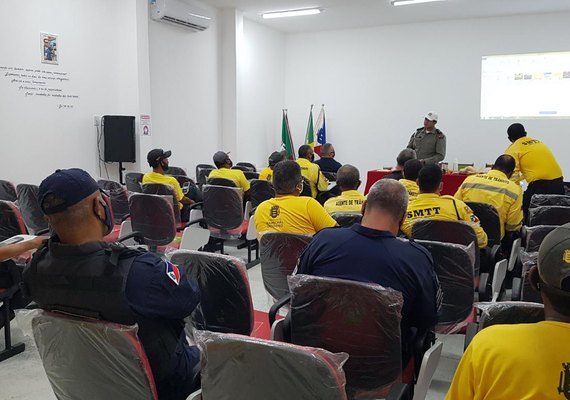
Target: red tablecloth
{"points": [[451, 182]]}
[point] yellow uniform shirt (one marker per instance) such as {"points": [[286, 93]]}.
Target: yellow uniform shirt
{"points": [[496, 189], [350, 201], [266, 174], [234, 175], [434, 206], [313, 173], [521, 361], [534, 161], [411, 187], [155, 177], [293, 214]]}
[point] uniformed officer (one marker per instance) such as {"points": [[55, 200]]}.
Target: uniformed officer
{"points": [[350, 199], [311, 171], [429, 142], [267, 173], [77, 272], [371, 252]]}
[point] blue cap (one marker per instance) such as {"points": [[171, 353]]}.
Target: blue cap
{"points": [[70, 185]]}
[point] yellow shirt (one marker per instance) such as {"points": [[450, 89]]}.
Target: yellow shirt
{"points": [[496, 189], [294, 214], [266, 174], [534, 161], [434, 206], [313, 173], [350, 201], [155, 177], [411, 187], [234, 175], [521, 361]]}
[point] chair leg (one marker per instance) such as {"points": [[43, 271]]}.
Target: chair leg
{"points": [[9, 350]]}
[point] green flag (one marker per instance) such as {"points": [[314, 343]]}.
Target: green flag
{"points": [[310, 137], [286, 141]]}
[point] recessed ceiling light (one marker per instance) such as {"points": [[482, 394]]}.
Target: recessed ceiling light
{"points": [[291, 13], [408, 2]]}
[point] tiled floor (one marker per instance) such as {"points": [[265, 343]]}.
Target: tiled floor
{"points": [[22, 377]]}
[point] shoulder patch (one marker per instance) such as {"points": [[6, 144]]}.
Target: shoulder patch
{"points": [[173, 272]]}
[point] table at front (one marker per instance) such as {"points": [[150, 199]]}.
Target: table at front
{"points": [[451, 182]]}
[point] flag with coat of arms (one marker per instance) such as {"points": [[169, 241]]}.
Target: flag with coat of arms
{"points": [[321, 130]]}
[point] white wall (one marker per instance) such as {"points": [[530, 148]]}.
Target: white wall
{"points": [[378, 83]]}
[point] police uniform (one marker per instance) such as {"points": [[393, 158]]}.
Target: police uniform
{"points": [[429, 146], [235, 175], [349, 201], [496, 189], [113, 283], [328, 164], [369, 255], [313, 173], [266, 174], [411, 187], [434, 206]]}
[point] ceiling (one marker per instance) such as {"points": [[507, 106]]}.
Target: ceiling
{"points": [[343, 14]]}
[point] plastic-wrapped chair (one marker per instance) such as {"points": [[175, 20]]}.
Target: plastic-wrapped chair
{"points": [[263, 369], [453, 265], [251, 175], [322, 197], [347, 219], [223, 212], [202, 172], [538, 200], [279, 253], [549, 215], [534, 235], [361, 319], [152, 217], [489, 219], [175, 171], [522, 288], [133, 180], [7, 191], [164, 190], [220, 182], [331, 176], [189, 187], [259, 191], [11, 220], [30, 208], [119, 198], [225, 296], [248, 165], [103, 360], [242, 168]]}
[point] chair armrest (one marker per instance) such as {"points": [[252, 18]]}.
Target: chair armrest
{"points": [[275, 308], [126, 217], [138, 236], [483, 280], [197, 395], [196, 206], [516, 291], [42, 232], [471, 331]]}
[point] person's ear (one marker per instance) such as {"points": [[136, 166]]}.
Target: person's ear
{"points": [[534, 278], [359, 183], [363, 208]]}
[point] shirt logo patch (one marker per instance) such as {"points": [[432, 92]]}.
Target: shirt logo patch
{"points": [[274, 212], [173, 272], [566, 256]]}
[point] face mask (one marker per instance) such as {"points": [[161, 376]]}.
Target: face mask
{"points": [[230, 163], [312, 157], [108, 221]]}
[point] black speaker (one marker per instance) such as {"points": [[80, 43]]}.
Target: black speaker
{"points": [[119, 138]]}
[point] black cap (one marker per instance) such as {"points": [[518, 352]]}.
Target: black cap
{"points": [[276, 157], [156, 155], [220, 157], [554, 259], [70, 186]]}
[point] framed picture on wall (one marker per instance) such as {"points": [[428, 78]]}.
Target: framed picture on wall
{"points": [[49, 47]]}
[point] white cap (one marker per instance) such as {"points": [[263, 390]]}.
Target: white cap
{"points": [[432, 116]]}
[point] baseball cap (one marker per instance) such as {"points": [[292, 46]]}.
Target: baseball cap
{"points": [[70, 185], [432, 116], [276, 156], [156, 155], [220, 157], [554, 259]]}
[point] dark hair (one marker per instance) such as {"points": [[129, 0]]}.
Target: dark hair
{"points": [[412, 169], [286, 176], [560, 302], [505, 163], [304, 151], [516, 131], [348, 177], [429, 178], [405, 155], [390, 196]]}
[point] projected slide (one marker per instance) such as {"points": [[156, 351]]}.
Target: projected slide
{"points": [[526, 86]]}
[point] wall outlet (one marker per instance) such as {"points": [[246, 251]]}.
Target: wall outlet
{"points": [[97, 120]]}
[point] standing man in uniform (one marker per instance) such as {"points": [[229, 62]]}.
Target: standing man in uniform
{"points": [[428, 142], [535, 163], [312, 171]]}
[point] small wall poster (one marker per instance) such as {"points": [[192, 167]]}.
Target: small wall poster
{"points": [[50, 49], [145, 125]]}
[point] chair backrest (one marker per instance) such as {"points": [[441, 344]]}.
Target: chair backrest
{"points": [[534, 235], [538, 200], [331, 176], [322, 197], [202, 172], [119, 198], [279, 253], [189, 187], [11, 221], [489, 219], [225, 296], [306, 188], [347, 219], [263, 369], [453, 265], [29, 206], [528, 260], [549, 215], [164, 190], [175, 171], [7, 191], [153, 216], [251, 175], [509, 312], [259, 191], [220, 182], [242, 168], [223, 207], [133, 180], [357, 318], [248, 165], [103, 360]]}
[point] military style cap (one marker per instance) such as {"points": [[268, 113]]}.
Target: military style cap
{"points": [[554, 258]]}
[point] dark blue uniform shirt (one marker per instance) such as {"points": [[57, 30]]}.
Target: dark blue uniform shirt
{"points": [[328, 164]]}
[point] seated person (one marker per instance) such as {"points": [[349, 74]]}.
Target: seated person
{"points": [[158, 160], [370, 252], [224, 163], [275, 157], [327, 163], [431, 205], [350, 199], [403, 156], [411, 170], [130, 287], [289, 212], [525, 361], [496, 188], [312, 171]]}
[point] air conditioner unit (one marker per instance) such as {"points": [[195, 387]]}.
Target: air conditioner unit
{"points": [[181, 14]]}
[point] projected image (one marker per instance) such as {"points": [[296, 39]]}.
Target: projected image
{"points": [[525, 86]]}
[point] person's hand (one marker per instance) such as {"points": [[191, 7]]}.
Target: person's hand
{"points": [[37, 241]]}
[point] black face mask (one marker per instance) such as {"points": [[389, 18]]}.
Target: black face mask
{"points": [[108, 221], [313, 157], [164, 165], [230, 163]]}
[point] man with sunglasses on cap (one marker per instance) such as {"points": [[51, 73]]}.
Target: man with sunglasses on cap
{"points": [[525, 361], [78, 273], [266, 174], [428, 141], [224, 163]]}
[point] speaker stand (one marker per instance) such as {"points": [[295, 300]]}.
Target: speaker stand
{"points": [[121, 169]]}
